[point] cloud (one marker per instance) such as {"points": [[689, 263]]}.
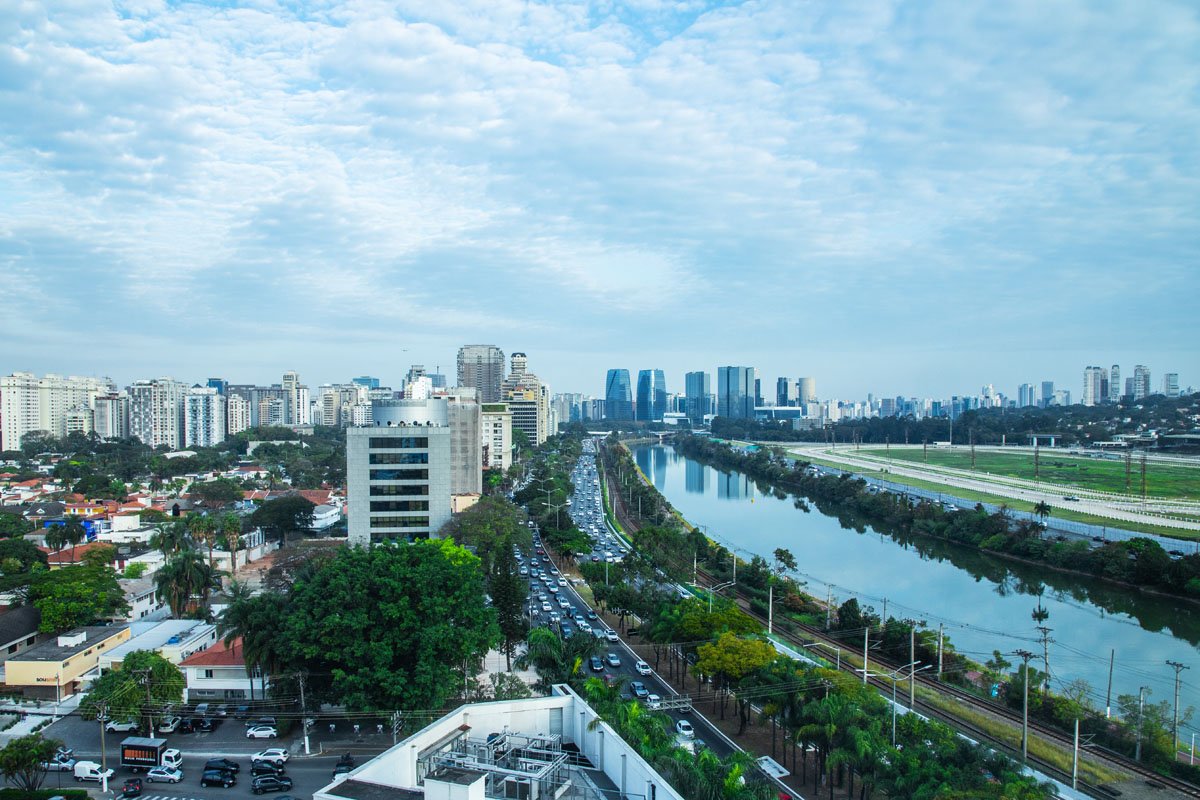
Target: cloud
{"points": [[607, 170]]}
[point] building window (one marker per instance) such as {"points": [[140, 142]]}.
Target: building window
{"points": [[399, 442], [399, 505], [399, 522], [398, 458], [208, 673], [399, 475], [412, 474]]}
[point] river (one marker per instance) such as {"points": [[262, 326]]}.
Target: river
{"points": [[984, 602]]}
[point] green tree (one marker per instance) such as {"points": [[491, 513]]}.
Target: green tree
{"points": [[100, 555], [184, 578], [558, 659], [284, 516], [74, 533], [140, 688], [258, 620], [21, 760], [216, 494], [392, 626], [136, 570], [14, 525], [75, 596], [24, 551], [170, 538]]}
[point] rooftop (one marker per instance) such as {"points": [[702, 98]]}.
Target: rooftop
{"points": [[160, 634], [218, 655], [66, 645]]}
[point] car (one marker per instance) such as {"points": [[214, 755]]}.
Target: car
{"points": [[583, 626], [201, 709], [170, 725], [222, 764], [265, 768], [221, 710], [218, 777], [555, 616], [642, 667], [1070, 498], [241, 712], [611, 635], [552, 589], [653, 701], [261, 721], [341, 769], [591, 615], [562, 581], [262, 732], [196, 725], [639, 690], [595, 664], [613, 660], [595, 558], [684, 728], [122, 726], [59, 764], [547, 607], [164, 774], [271, 783], [564, 603]]}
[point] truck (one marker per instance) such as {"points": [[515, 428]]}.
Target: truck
{"points": [[140, 754], [91, 771]]}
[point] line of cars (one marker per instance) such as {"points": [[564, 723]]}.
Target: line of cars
{"points": [[267, 772]]}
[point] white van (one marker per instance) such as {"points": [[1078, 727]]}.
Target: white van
{"points": [[90, 771]]}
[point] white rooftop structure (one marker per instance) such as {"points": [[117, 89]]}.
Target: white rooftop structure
{"points": [[173, 639], [542, 748]]}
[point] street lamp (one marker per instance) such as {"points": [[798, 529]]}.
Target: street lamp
{"points": [[712, 590], [894, 676]]}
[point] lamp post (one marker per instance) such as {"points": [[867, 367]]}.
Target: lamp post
{"points": [[714, 589]]}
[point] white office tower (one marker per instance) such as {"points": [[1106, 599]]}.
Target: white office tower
{"points": [[496, 433], [1170, 384], [204, 417], [296, 400], [1114, 384], [1141, 382], [466, 443], [1094, 379], [29, 403], [80, 420], [111, 417], [419, 387], [808, 390], [156, 412], [529, 401], [238, 418], [398, 472]]}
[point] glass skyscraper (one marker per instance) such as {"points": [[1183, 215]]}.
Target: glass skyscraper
{"points": [[651, 395], [735, 392], [697, 388], [618, 399]]}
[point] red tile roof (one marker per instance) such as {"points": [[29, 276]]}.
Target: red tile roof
{"points": [[217, 655]]}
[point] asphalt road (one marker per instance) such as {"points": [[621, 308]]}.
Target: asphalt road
{"points": [[586, 508]]}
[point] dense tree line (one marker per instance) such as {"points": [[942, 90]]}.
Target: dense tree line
{"points": [[1077, 424]]}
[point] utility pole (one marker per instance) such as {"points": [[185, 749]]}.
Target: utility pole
{"points": [[1025, 656], [144, 676], [102, 717], [828, 608], [1037, 461], [1143, 479], [1137, 752], [972, 448], [866, 646], [396, 723], [941, 627], [912, 671], [1112, 657], [1175, 719], [1075, 758], [1045, 659], [304, 715], [925, 449], [770, 608], [1128, 468]]}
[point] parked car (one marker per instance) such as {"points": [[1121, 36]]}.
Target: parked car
{"points": [[170, 725], [684, 728], [276, 755], [164, 774], [121, 726], [221, 710], [59, 763], [261, 721], [222, 764], [271, 783], [201, 709], [262, 732], [218, 777]]}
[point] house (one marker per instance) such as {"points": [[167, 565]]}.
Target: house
{"points": [[19, 629], [63, 665], [535, 749], [219, 673], [173, 639], [143, 603]]}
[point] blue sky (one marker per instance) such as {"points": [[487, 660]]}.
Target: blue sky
{"points": [[912, 198]]}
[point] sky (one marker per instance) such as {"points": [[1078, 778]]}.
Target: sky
{"points": [[910, 198]]}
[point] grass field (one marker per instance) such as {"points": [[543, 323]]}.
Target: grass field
{"points": [[1014, 503], [1104, 475]]}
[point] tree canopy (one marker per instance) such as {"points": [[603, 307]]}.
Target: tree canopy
{"points": [[284, 516], [143, 685], [75, 596], [21, 759]]}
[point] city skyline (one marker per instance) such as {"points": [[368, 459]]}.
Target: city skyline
{"points": [[893, 199]]}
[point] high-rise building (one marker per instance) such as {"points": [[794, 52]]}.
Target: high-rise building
{"points": [[156, 412], [1046, 398], [785, 392], [651, 395], [481, 367], [618, 400], [237, 414], [529, 401], [1170, 384], [697, 388], [29, 403], [367, 381], [735, 392], [111, 417], [496, 434], [1026, 396], [204, 417], [1141, 382], [466, 441], [1114, 384], [808, 390], [398, 472], [1094, 379], [220, 384], [295, 400]]}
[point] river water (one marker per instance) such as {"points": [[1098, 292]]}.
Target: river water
{"points": [[983, 601]]}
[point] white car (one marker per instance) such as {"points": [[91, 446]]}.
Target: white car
{"points": [[275, 755], [642, 668], [121, 726], [563, 603], [262, 732], [611, 635], [684, 728], [654, 702], [164, 774], [169, 725], [546, 607], [562, 581]]}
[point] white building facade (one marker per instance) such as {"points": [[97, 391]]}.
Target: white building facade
{"points": [[29, 403], [204, 417], [156, 412], [496, 435]]}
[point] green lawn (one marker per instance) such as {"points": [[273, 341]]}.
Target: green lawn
{"points": [[1104, 475], [1019, 505]]}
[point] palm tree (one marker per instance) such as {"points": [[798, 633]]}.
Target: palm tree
{"points": [[171, 538], [255, 620], [1042, 509], [182, 578], [74, 533], [230, 527], [204, 529], [56, 538]]}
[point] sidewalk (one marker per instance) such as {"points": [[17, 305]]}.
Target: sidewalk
{"points": [[34, 715]]}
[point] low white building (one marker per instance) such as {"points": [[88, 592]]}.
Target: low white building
{"points": [[173, 639], [143, 604], [219, 673], [325, 516], [536, 749]]}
